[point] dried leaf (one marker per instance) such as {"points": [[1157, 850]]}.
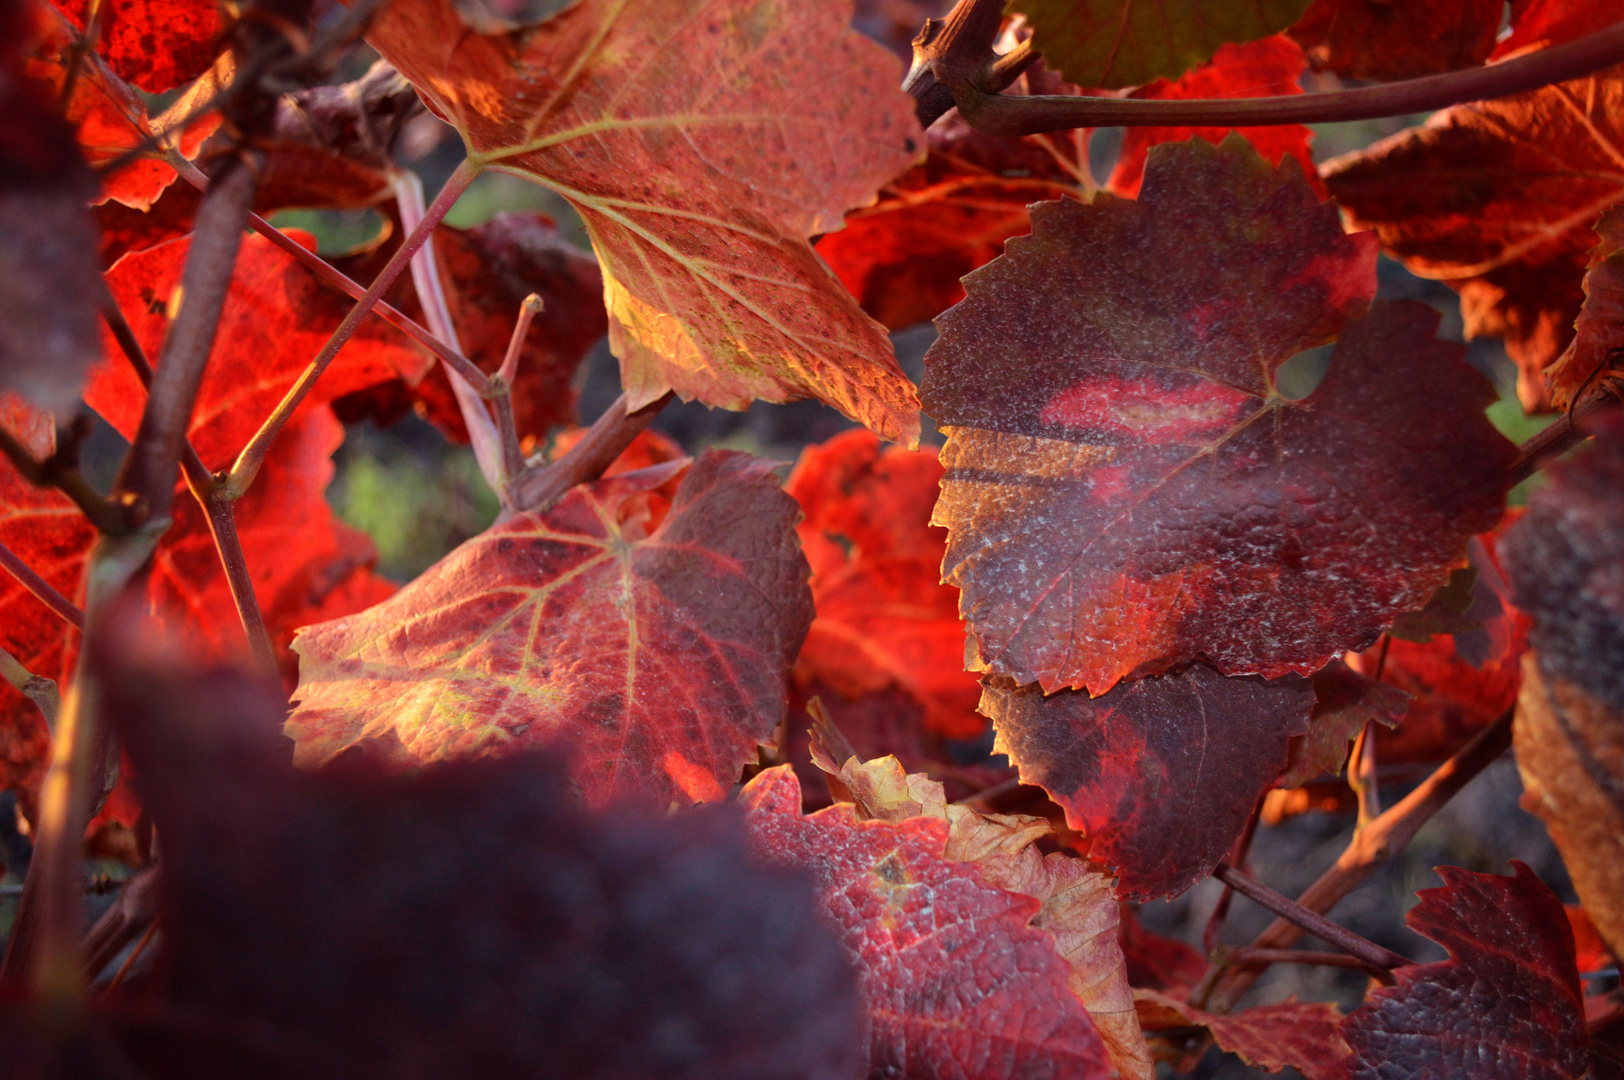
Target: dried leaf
{"points": [[1497, 199], [1597, 350], [470, 920], [952, 969], [155, 44], [1117, 43], [48, 273], [1159, 774], [1125, 488], [1378, 39], [1344, 703], [884, 617], [1266, 68], [658, 648], [702, 141], [1285, 1034], [902, 257], [1506, 1003]]}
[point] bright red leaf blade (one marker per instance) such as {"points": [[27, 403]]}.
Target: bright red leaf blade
{"points": [[1160, 774], [1377, 39], [1127, 491], [155, 44]]}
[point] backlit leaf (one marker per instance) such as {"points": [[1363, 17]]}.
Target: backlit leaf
{"points": [[903, 256], [1378, 39], [1543, 23], [884, 616], [1126, 490], [1344, 703], [470, 920], [1285, 1034], [1597, 349], [658, 648], [1117, 43], [1160, 774], [1497, 199], [1505, 1004], [701, 141], [957, 980], [155, 44], [1266, 68]]}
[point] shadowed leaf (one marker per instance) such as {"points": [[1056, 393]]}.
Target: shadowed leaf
{"points": [[1597, 350], [658, 648], [1377, 39], [1285, 1034], [1344, 702]]}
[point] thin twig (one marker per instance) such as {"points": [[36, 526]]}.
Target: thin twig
{"points": [[248, 463], [135, 954], [36, 688], [962, 38], [335, 277], [1371, 847], [1251, 955], [42, 590], [108, 515], [541, 486], [1562, 436], [502, 389], [86, 43], [1313, 922], [999, 114], [1238, 853]]}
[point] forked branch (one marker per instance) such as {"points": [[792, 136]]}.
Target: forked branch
{"points": [[1308, 921], [541, 486]]}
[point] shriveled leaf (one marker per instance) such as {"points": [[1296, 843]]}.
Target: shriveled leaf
{"points": [[1269, 67], [487, 272], [1564, 559], [1160, 774], [277, 317], [1344, 703], [953, 971], [1126, 490], [903, 256], [658, 648], [884, 616], [1285, 1034], [1505, 1004], [49, 332], [701, 141], [155, 44], [1117, 43], [1497, 199], [1378, 39], [1597, 350], [470, 920]]}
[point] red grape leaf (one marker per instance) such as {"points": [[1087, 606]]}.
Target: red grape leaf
{"points": [[1598, 332], [111, 117], [1506, 1003], [1126, 490], [1344, 702], [903, 256], [155, 44], [1589, 950], [1497, 199], [1160, 774], [48, 273], [487, 272], [1445, 613], [1286, 1034], [884, 616], [957, 979], [1117, 43], [701, 141], [658, 648], [1264, 68], [1378, 39], [277, 316], [564, 943], [1542, 23], [1076, 897], [1154, 961]]}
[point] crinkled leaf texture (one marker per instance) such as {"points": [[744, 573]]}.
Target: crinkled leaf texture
{"points": [[956, 980], [1160, 774], [1504, 1006], [902, 257], [155, 44], [1269, 67], [468, 921], [1497, 199], [1118, 43], [1126, 490], [1378, 39], [884, 616], [702, 142], [659, 649], [1597, 349]]}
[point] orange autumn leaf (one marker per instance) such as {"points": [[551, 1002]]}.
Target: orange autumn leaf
{"points": [[658, 645], [702, 142], [884, 616]]}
